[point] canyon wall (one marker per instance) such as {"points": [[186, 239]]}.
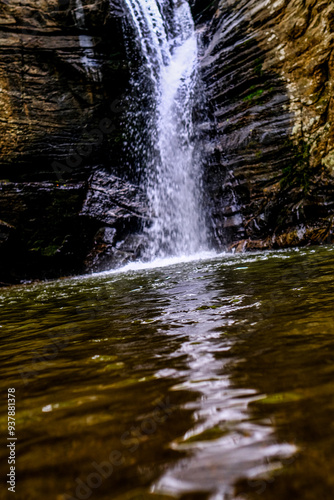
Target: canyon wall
{"points": [[64, 79], [268, 71]]}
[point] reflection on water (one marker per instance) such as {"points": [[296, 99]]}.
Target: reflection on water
{"points": [[210, 378]]}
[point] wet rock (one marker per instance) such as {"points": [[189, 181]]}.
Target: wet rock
{"points": [[41, 235], [64, 75], [6, 231], [268, 69], [114, 201], [321, 232], [122, 208], [53, 229]]}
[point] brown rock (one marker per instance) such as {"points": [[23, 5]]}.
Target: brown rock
{"points": [[268, 69]]}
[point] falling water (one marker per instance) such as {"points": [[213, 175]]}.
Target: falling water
{"points": [[168, 45], [86, 42]]}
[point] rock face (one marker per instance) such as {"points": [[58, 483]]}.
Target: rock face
{"points": [[268, 69], [70, 201], [45, 236], [122, 208], [61, 62], [63, 77]]}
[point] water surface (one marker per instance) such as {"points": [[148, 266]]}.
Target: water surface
{"points": [[210, 378]]}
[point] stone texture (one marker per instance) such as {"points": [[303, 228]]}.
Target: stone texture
{"points": [[50, 96], [44, 238], [268, 70], [64, 75], [122, 210]]}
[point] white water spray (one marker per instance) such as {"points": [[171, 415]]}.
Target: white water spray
{"points": [[173, 176], [86, 42]]}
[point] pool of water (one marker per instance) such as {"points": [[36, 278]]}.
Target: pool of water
{"points": [[203, 379]]}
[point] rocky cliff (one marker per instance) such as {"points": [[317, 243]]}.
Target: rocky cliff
{"points": [[64, 76], [69, 199], [268, 69]]}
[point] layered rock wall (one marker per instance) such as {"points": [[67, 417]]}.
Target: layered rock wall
{"points": [[56, 74], [268, 69], [64, 76]]}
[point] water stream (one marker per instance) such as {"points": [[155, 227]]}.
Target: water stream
{"points": [[86, 42], [167, 42]]}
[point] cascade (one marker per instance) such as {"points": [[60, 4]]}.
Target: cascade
{"points": [[167, 43], [86, 42]]}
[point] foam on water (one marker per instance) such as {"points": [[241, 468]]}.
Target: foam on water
{"points": [[165, 262]]}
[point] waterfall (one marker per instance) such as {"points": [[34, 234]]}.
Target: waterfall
{"points": [[167, 43], [88, 59]]}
